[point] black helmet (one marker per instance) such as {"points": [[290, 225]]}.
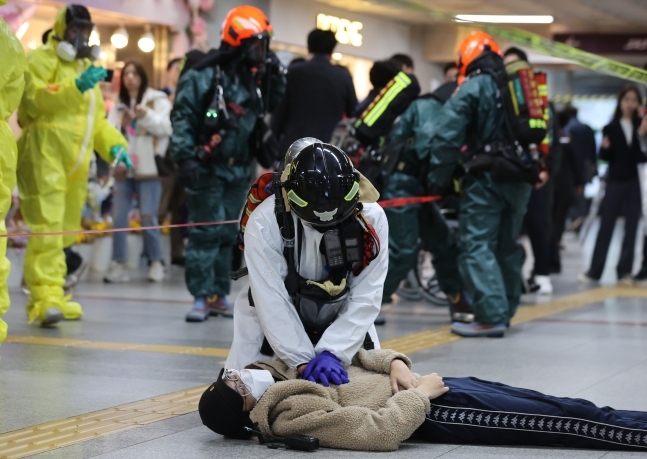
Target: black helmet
{"points": [[322, 185]]}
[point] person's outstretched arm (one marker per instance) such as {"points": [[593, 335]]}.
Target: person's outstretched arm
{"points": [[344, 337]]}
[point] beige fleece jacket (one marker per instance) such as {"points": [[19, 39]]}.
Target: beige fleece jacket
{"points": [[361, 415]]}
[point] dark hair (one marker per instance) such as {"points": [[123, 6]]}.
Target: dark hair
{"points": [[521, 54], [627, 89], [570, 111], [402, 60], [382, 72], [172, 62], [448, 67], [124, 95], [321, 42]]}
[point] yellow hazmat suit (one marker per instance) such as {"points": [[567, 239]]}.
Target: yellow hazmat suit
{"points": [[12, 83], [61, 128]]}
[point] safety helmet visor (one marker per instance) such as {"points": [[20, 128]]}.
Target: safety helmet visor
{"points": [[256, 48]]}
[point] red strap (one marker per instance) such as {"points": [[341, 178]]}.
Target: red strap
{"points": [[371, 245]]}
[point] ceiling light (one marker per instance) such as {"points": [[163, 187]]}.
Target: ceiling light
{"points": [[119, 38], [505, 18], [147, 42], [22, 30], [94, 38], [337, 56]]}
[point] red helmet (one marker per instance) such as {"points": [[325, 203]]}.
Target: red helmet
{"points": [[244, 22], [471, 47]]}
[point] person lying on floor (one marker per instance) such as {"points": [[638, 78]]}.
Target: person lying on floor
{"points": [[385, 403]]}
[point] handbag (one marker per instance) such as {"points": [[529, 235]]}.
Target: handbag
{"points": [[147, 163], [143, 156]]}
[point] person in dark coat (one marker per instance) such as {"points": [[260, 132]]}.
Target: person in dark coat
{"points": [[318, 95], [569, 180], [621, 147], [585, 150]]}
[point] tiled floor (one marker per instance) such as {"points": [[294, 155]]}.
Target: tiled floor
{"points": [[595, 352]]}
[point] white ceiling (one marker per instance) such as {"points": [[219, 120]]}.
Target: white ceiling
{"points": [[570, 15]]}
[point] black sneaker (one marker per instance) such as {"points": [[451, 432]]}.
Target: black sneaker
{"points": [[178, 261], [529, 285], [380, 319]]}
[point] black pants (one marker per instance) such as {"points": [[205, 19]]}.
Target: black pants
{"points": [[564, 199], [620, 197], [476, 412], [72, 259], [537, 229]]}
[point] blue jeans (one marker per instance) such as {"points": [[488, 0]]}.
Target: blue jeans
{"points": [[148, 193]]}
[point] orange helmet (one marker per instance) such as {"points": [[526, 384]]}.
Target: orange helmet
{"points": [[471, 47], [244, 22]]}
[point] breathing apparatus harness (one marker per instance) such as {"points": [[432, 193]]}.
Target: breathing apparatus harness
{"points": [[221, 117], [505, 157], [348, 248]]}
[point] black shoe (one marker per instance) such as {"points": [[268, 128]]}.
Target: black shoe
{"points": [[178, 261], [529, 286], [460, 308], [380, 319]]}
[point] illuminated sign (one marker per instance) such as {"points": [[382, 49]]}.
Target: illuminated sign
{"points": [[347, 32]]}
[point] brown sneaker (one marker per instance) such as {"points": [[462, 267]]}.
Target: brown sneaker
{"points": [[218, 305]]}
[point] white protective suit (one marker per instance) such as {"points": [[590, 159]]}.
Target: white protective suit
{"points": [[274, 315]]}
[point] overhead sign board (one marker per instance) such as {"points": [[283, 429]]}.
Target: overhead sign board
{"points": [[606, 43], [346, 31]]}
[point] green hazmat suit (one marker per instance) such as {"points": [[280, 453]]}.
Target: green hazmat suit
{"points": [[61, 128], [491, 213], [221, 189], [420, 222], [12, 84]]}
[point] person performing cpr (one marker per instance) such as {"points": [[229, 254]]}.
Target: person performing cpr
{"points": [[316, 250]]}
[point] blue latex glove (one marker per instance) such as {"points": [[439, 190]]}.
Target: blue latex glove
{"points": [[325, 369], [90, 78], [120, 155]]}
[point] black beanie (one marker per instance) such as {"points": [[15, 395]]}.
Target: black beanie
{"points": [[221, 410]]}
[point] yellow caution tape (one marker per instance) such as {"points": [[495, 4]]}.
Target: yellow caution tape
{"points": [[540, 44], [562, 50]]}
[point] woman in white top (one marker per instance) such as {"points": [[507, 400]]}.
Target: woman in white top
{"points": [[143, 115]]}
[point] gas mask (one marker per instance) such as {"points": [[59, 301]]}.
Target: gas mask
{"points": [[257, 381], [256, 51], [75, 43]]}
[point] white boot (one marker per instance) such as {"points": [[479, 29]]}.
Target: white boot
{"points": [[117, 273], [545, 285], [156, 271]]}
